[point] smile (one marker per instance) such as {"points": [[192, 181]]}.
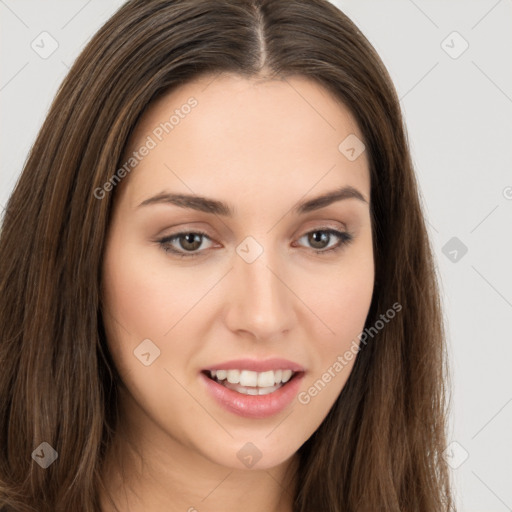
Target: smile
{"points": [[253, 394], [249, 382]]}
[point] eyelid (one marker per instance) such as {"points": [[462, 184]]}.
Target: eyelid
{"points": [[165, 241], [345, 238]]}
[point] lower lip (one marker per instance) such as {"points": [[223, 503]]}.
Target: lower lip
{"points": [[254, 406]]}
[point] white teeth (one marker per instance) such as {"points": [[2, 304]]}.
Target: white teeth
{"points": [[249, 378], [266, 379], [266, 391], [221, 374], [286, 375], [233, 376], [250, 391]]}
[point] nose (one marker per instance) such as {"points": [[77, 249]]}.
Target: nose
{"points": [[262, 302]]}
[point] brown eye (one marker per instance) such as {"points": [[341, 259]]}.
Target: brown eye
{"points": [[319, 239], [189, 243]]}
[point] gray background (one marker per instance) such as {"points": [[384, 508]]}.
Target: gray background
{"points": [[458, 110]]}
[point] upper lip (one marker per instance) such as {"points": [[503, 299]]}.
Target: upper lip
{"points": [[257, 365]]}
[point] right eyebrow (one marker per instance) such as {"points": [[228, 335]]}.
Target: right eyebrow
{"points": [[193, 202]]}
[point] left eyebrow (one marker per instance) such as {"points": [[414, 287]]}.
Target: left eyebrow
{"points": [[217, 207], [328, 198]]}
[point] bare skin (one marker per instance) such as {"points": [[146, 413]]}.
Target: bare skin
{"points": [[261, 148]]}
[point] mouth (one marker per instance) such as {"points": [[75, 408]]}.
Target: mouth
{"points": [[253, 394], [253, 388], [247, 382]]}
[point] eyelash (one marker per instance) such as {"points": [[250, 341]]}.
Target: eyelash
{"points": [[344, 237]]}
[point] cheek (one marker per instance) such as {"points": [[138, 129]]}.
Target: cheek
{"points": [[344, 311], [146, 296], [341, 299], [347, 303]]}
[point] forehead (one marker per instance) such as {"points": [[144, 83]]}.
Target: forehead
{"points": [[227, 133]]}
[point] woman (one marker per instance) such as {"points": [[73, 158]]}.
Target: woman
{"points": [[216, 282]]}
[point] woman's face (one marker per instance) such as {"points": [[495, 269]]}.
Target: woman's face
{"points": [[268, 282]]}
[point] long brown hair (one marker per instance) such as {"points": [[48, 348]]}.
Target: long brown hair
{"points": [[381, 445]]}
